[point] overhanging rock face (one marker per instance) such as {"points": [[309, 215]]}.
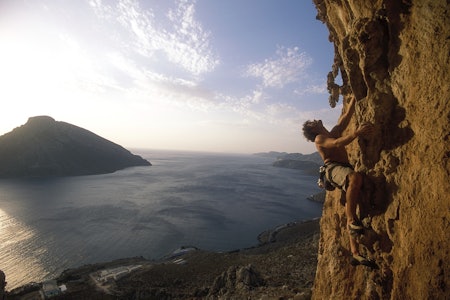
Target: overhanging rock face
{"points": [[394, 58]]}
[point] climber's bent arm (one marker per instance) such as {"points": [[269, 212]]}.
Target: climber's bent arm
{"points": [[330, 142]]}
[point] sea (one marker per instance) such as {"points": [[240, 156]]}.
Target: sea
{"points": [[216, 202]]}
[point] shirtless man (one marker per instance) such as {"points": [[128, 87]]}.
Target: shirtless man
{"points": [[331, 147]]}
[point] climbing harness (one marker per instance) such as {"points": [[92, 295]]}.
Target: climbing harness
{"points": [[323, 181]]}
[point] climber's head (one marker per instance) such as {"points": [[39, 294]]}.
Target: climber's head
{"points": [[311, 129]]}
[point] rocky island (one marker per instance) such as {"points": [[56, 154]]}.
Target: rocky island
{"points": [[309, 163], [44, 147]]}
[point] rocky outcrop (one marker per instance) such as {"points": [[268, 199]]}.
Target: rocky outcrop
{"points": [[44, 147], [393, 56], [235, 279]]}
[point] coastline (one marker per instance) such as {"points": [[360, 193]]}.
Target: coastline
{"points": [[282, 265]]}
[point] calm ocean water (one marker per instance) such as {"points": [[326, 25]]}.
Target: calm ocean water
{"points": [[212, 201]]}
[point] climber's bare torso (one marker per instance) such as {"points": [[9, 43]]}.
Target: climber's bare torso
{"points": [[338, 154], [328, 144], [331, 144]]}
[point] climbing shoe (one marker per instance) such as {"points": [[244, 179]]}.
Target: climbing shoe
{"points": [[356, 227], [361, 260]]}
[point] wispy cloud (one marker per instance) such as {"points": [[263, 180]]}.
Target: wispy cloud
{"points": [[312, 89], [180, 37], [288, 66], [141, 38], [248, 105], [156, 56], [286, 74], [189, 43]]}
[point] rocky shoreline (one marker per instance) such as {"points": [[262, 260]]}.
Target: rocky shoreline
{"points": [[282, 266]]}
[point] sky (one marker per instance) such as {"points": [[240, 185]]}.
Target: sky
{"points": [[236, 76]]}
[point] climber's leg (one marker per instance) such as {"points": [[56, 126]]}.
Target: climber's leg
{"points": [[352, 199]]}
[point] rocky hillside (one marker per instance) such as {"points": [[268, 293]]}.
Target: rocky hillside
{"points": [[394, 58], [45, 147], [282, 266]]}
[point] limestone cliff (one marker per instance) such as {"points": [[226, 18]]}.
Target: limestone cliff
{"points": [[393, 56]]}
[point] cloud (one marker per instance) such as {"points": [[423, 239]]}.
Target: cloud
{"points": [[288, 66], [155, 56], [248, 105], [189, 43], [180, 39], [319, 89], [280, 110], [255, 107], [179, 36]]}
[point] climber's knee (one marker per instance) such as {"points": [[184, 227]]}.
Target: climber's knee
{"points": [[355, 180]]}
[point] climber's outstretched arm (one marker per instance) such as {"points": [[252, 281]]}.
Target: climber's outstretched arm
{"points": [[344, 119], [326, 142]]}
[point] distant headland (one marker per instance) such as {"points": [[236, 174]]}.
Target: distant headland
{"points": [[44, 147], [309, 163]]}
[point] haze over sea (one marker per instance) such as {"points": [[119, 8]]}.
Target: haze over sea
{"points": [[216, 202]]}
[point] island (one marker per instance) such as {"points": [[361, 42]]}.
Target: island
{"points": [[309, 163], [44, 147]]}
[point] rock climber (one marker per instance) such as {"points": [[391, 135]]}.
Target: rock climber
{"points": [[338, 171]]}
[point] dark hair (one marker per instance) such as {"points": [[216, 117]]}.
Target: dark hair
{"points": [[308, 130]]}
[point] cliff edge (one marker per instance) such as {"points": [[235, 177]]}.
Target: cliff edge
{"points": [[393, 56], [45, 147]]}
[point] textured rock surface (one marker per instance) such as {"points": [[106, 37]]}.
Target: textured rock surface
{"points": [[394, 57], [44, 147]]}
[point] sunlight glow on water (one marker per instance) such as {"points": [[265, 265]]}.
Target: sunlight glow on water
{"points": [[18, 256]]}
